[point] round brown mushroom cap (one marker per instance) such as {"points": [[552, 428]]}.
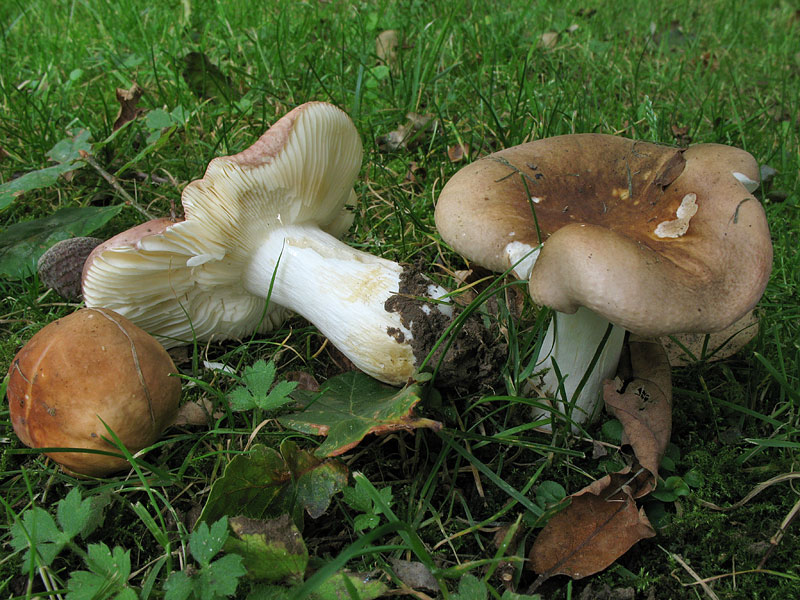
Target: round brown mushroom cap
{"points": [[656, 239], [91, 365]]}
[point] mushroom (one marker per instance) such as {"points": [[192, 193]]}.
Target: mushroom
{"points": [[60, 268], [613, 235], [264, 225], [86, 369]]}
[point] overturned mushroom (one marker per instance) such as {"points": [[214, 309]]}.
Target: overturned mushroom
{"points": [[86, 369], [265, 223], [613, 235]]}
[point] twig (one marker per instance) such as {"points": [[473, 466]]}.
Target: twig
{"points": [[709, 592], [776, 539], [113, 182]]}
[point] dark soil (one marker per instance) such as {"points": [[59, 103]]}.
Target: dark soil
{"points": [[473, 358]]}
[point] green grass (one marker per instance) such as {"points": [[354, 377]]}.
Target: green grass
{"points": [[727, 71]]}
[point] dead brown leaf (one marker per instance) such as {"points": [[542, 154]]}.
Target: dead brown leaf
{"points": [[644, 406], [414, 574], [458, 152], [548, 39], [681, 135], [196, 412], [685, 349], [127, 105], [408, 135], [386, 47], [305, 381], [600, 524]]}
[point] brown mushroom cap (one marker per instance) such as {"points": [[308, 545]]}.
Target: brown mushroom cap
{"points": [[653, 238], [91, 365]]}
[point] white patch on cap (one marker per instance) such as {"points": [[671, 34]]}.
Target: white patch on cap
{"points": [[748, 183], [685, 212], [535, 199], [523, 256]]}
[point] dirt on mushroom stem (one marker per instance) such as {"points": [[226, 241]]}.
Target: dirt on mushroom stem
{"points": [[475, 357]]}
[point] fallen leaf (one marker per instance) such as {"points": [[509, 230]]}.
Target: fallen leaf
{"points": [[265, 482], [406, 136], [196, 412], [386, 47], [600, 524], [548, 39], [305, 381], [353, 405], [414, 173], [644, 406], [127, 105], [681, 135], [414, 574], [458, 152], [272, 550], [21, 244], [61, 267], [685, 349]]}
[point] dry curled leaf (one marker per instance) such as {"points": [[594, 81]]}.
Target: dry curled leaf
{"points": [[600, 524], [196, 412], [415, 575], [408, 135], [128, 99], [548, 39], [386, 47], [644, 406], [458, 152]]}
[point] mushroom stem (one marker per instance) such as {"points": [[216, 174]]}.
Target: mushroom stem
{"points": [[342, 291], [571, 342]]}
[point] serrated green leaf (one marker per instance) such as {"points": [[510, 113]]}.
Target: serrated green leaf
{"points": [[22, 244], [108, 576], [366, 521], [278, 396], [221, 578], [73, 513], [269, 592], [178, 586], [338, 587], [272, 550], [471, 588], [241, 399], [205, 543], [37, 534], [509, 595], [351, 406]]}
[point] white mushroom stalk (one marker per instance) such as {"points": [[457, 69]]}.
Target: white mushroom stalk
{"points": [[583, 347], [343, 292], [265, 223]]}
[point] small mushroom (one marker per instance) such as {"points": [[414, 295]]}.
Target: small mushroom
{"points": [[651, 239], [90, 366], [261, 224], [60, 268]]}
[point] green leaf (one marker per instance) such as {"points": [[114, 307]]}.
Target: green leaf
{"points": [[178, 586], [221, 578], [255, 393], [22, 244], [358, 498], [549, 494], [471, 588], [509, 595], [37, 533], [272, 550], [205, 543], [351, 406], [108, 577], [67, 153], [266, 483], [367, 521], [74, 514], [671, 489], [158, 119]]}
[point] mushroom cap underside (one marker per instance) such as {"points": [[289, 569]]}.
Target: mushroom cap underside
{"points": [[183, 281], [656, 239]]}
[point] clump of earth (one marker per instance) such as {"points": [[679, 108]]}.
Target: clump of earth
{"points": [[473, 359]]}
